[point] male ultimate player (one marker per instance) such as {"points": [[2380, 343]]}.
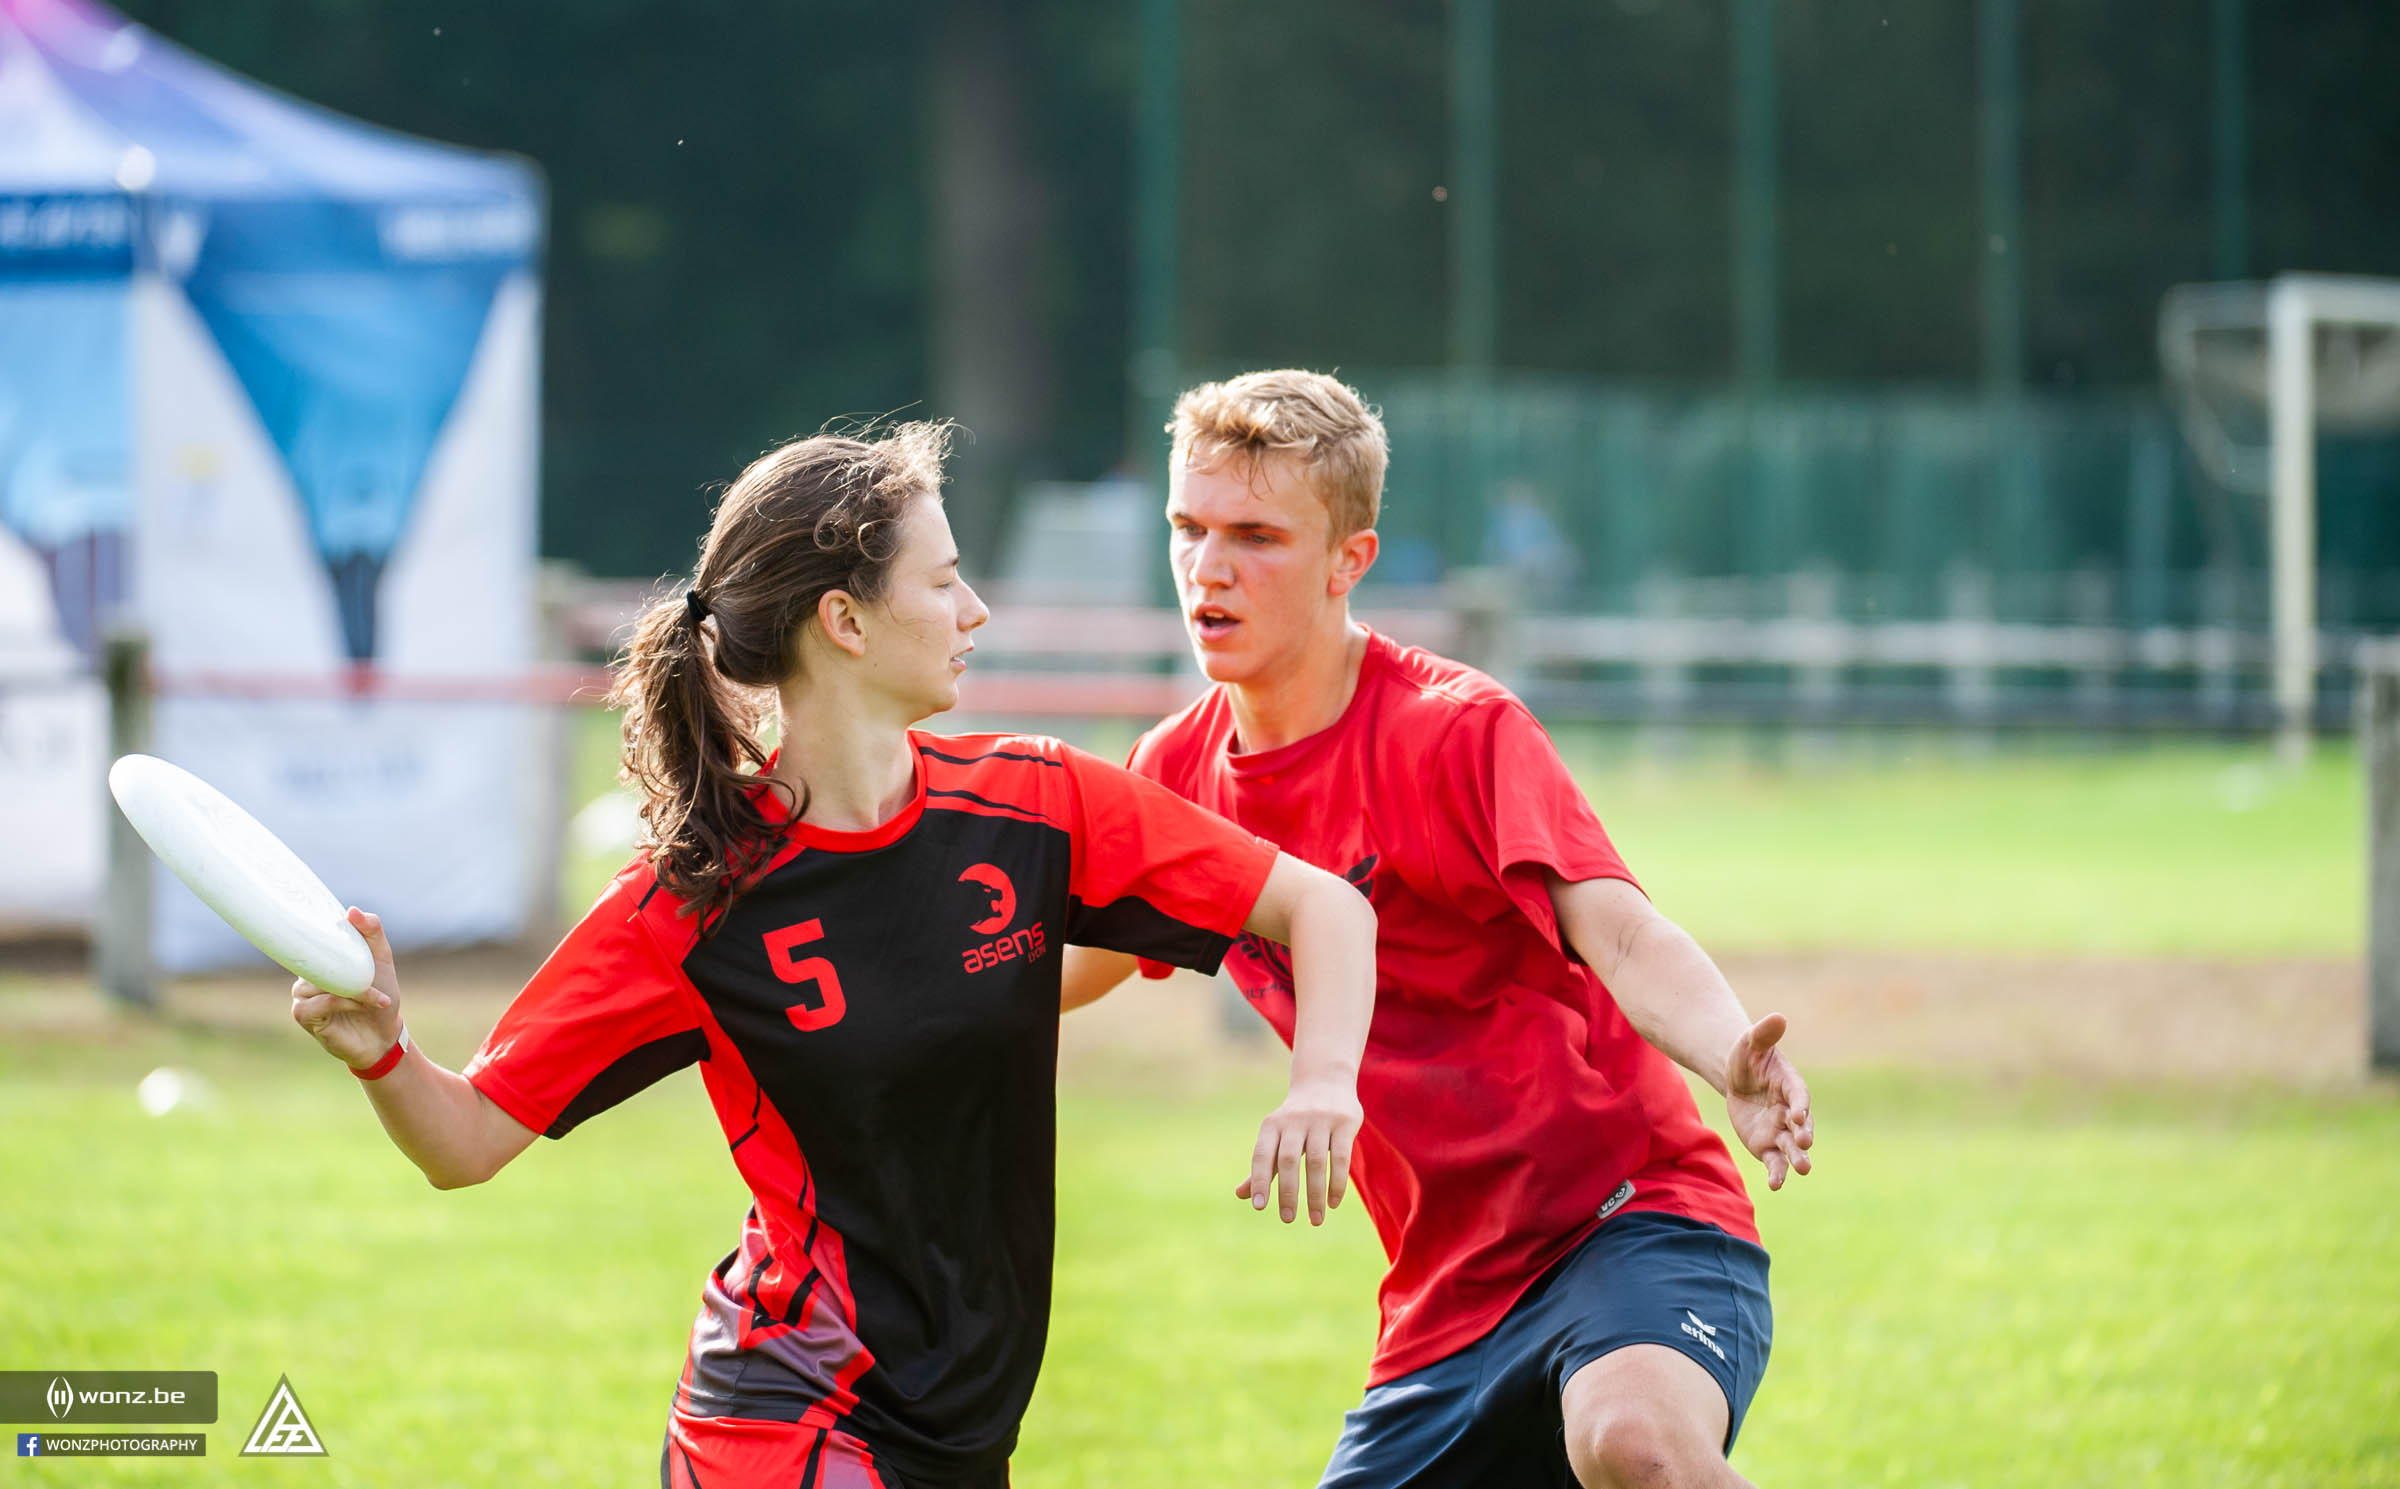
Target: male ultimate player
{"points": [[1576, 1291]]}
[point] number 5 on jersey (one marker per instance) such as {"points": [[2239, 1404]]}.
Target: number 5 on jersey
{"points": [[825, 1006]]}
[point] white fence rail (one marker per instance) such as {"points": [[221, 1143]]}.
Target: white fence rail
{"points": [[1135, 662]]}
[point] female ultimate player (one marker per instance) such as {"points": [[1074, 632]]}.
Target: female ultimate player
{"points": [[858, 937]]}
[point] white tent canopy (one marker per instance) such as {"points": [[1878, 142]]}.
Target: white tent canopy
{"points": [[269, 391]]}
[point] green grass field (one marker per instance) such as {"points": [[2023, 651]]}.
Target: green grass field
{"points": [[1982, 1285], [2187, 850], [1978, 1287]]}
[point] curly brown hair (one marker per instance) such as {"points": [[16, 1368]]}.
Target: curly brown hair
{"points": [[697, 679]]}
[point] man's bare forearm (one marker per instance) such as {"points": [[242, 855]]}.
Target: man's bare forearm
{"points": [[1670, 991], [1675, 997]]}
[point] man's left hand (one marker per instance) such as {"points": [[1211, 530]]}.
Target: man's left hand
{"points": [[1769, 1102]]}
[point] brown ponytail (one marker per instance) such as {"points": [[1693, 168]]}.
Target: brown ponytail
{"points": [[698, 678]]}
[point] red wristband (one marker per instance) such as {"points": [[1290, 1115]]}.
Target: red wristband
{"points": [[391, 1058]]}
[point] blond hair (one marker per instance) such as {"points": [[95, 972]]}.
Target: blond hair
{"points": [[1318, 423]]}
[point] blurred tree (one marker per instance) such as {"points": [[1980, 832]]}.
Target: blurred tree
{"points": [[990, 205], [768, 216], [1615, 226], [735, 227], [1314, 144], [1881, 258]]}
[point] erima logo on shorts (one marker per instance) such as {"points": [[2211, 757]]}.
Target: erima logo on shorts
{"points": [[1705, 1333]]}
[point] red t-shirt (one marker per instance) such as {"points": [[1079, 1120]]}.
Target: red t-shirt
{"points": [[1507, 1098], [876, 1020]]}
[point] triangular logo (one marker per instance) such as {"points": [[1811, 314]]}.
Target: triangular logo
{"points": [[283, 1429]]}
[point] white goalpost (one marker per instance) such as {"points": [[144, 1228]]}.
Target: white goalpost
{"points": [[2255, 372]]}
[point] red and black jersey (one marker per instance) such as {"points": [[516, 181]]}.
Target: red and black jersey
{"points": [[876, 1020]]}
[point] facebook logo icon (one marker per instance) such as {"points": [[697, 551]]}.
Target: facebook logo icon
{"points": [[29, 1444]]}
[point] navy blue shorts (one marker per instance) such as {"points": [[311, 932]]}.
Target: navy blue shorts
{"points": [[1489, 1415]]}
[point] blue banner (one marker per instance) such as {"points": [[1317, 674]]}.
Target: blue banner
{"points": [[352, 328], [66, 467]]}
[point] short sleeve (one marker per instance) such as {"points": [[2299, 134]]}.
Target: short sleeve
{"points": [[604, 1018], [1142, 760], [1154, 874], [1508, 815]]}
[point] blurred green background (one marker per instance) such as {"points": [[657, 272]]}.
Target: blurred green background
{"points": [[765, 216], [1733, 295]]}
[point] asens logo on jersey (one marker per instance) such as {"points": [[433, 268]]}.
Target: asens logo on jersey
{"points": [[1004, 898], [1009, 945]]}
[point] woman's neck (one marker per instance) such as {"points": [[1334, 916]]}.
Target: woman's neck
{"points": [[849, 769]]}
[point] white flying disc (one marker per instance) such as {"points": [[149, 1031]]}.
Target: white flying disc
{"points": [[243, 872]]}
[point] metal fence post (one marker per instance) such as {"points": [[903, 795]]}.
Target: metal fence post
{"points": [[2092, 603], [121, 941], [2379, 747], [1968, 684], [549, 761], [1484, 609]]}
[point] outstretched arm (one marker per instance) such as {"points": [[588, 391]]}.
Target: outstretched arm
{"points": [[1677, 999], [1330, 928], [1091, 973], [452, 1131]]}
